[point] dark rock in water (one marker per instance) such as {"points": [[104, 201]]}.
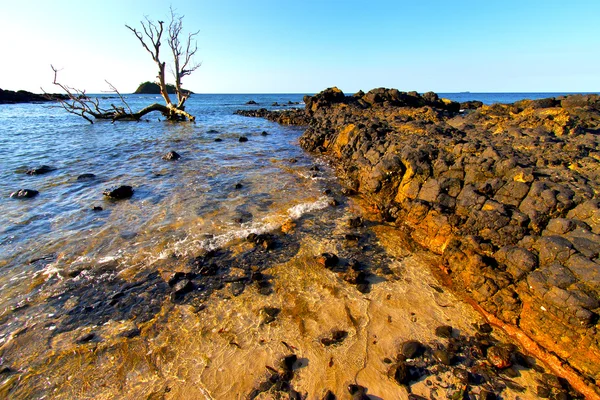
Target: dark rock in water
{"points": [[329, 396], [237, 288], [218, 140], [238, 186], [24, 194], [257, 277], [263, 240], [212, 131], [275, 104], [269, 314], [401, 373], [500, 356], [335, 338], [181, 288], [171, 156], [444, 331], [251, 102], [411, 349], [243, 139], [88, 337], [358, 392], [314, 168], [355, 222], [264, 133], [363, 287], [122, 192], [97, 208], [131, 333], [328, 260], [40, 170], [287, 364], [443, 357], [85, 177]]}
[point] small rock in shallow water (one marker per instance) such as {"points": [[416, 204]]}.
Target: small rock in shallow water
{"points": [[182, 287], [122, 192], [85, 177], [88, 337], [444, 331], [237, 288], [401, 373], [269, 314], [287, 364], [355, 222], [40, 170], [130, 333], [171, 156], [358, 392], [328, 260], [329, 396], [264, 133], [243, 139], [411, 349], [238, 186], [442, 356], [218, 140], [336, 338], [97, 208], [24, 194]]}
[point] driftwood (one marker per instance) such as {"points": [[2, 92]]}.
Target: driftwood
{"points": [[150, 37]]}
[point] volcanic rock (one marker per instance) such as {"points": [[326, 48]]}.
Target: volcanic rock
{"points": [[24, 194], [122, 192]]}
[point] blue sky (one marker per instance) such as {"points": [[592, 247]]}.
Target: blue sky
{"points": [[289, 46]]}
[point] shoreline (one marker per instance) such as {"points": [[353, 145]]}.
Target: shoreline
{"points": [[418, 184]]}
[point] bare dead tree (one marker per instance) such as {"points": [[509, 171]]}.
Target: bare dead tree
{"points": [[182, 55], [151, 38]]}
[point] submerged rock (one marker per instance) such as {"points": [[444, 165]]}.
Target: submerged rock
{"points": [[171, 156], [122, 192], [85, 177], [24, 194], [44, 169], [242, 139]]}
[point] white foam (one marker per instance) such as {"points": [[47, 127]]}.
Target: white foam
{"points": [[300, 209]]}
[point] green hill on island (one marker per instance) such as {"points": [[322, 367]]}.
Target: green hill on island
{"points": [[153, 88]]}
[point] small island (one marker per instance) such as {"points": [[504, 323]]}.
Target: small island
{"points": [[153, 88]]}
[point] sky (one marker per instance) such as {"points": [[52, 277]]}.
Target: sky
{"points": [[288, 46]]}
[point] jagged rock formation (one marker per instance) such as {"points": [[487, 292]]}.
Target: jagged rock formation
{"points": [[285, 117], [506, 194]]}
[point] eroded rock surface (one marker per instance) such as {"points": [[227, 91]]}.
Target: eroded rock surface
{"points": [[506, 194]]}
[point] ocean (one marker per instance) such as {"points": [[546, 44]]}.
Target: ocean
{"points": [[60, 258]]}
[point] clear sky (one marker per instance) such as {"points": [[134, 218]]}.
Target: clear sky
{"points": [[291, 46]]}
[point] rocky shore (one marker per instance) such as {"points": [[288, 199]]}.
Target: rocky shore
{"points": [[505, 196], [22, 96]]}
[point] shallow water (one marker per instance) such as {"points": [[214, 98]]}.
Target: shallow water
{"points": [[88, 307]]}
